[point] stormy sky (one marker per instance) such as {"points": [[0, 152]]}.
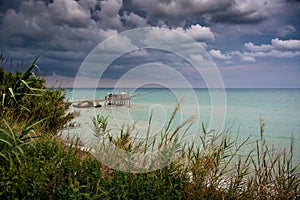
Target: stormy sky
{"points": [[253, 43]]}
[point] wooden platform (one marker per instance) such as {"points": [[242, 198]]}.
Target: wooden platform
{"points": [[112, 99]]}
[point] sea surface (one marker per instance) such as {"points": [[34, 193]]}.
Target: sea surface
{"points": [[239, 110]]}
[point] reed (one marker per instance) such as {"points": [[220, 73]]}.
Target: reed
{"points": [[218, 168]]}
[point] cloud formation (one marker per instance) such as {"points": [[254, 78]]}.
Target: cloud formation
{"points": [[176, 12], [255, 48], [134, 19], [108, 15], [286, 30], [197, 32], [239, 13], [278, 48], [286, 44], [64, 12], [217, 54], [233, 32], [276, 44]]}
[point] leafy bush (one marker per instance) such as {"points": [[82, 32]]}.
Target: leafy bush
{"points": [[24, 98]]}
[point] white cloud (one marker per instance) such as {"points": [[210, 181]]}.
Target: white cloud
{"points": [[173, 41], [69, 12], [277, 49], [251, 56], [286, 44], [277, 54], [248, 59], [197, 58], [217, 54], [117, 45], [163, 37], [140, 53], [108, 14], [134, 19], [251, 47], [197, 32]]}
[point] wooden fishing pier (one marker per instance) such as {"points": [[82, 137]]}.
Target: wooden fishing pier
{"points": [[111, 99]]}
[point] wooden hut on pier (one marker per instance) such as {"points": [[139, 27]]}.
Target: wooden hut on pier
{"points": [[118, 99]]}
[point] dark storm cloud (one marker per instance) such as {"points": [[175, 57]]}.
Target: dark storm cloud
{"points": [[177, 12], [293, 1], [236, 15], [15, 4], [65, 31], [61, 28], [62, 31]]}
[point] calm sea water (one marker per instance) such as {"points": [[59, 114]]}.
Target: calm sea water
{"points": [[238, 108]]}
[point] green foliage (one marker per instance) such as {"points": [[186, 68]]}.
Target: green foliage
{"points": [[24, 98], [100, 125], [55, 169], [12, 144]]}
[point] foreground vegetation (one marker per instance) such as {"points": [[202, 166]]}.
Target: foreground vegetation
{"points": [[35, 162]]}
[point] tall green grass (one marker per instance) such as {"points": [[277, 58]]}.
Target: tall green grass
{"points": [[219, 168]]}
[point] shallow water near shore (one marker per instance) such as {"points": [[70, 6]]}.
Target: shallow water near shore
{"points": [[242, 110]]}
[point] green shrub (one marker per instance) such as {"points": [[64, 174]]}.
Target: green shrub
{"points": [[24, 98]]}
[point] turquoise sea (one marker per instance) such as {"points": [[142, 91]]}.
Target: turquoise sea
{"points": [[217, 109]]}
